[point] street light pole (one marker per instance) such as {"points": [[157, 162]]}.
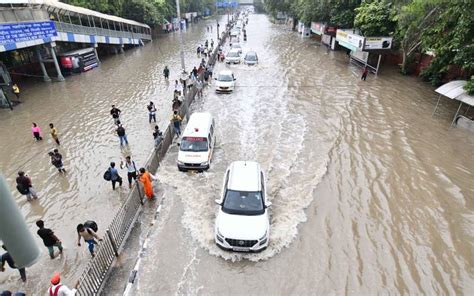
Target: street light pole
{"points": [[181, 41]]}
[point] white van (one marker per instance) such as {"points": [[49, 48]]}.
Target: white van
{"points": [[197, 143]]}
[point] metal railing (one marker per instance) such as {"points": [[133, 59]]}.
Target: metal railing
{"points": [[71, 28], [96, 271]]}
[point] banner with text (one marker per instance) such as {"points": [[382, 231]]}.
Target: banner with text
{"points": [[18, 32]]}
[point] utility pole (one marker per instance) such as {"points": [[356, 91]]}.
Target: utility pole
{"points": [[181, 41]]}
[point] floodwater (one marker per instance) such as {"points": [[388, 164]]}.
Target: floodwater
{"points": [[370, 194], [80, 108]]}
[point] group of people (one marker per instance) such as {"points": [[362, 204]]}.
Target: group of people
{"points": [[88, 231], [205, 50]]}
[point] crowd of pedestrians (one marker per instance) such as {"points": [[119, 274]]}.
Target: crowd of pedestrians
{"points": [[88, 231]]}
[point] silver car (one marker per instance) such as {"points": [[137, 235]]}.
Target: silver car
{"points": [[251, 58]]}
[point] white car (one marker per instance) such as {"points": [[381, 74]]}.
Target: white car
{"points": [[233, 57], [225, 82], [251, 58], [237, 46], [234, 33], [243, 223]]}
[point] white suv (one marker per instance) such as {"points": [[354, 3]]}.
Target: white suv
{"points": [[242, 223]]}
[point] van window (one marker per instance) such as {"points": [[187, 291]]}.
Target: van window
{"points": [[194, 144], [209, 138], [212, 128], [263, 185]]}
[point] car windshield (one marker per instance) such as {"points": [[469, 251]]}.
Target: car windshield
{"points": [[236, 46], [243, 203], [251, 57], [225, 77], [193, 144], [233, 54]]}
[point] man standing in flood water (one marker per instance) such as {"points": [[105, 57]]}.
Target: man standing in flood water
{"points": [[115, 112]]}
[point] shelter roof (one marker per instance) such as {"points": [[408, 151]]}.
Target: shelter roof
{"points": [[85, 11], [455, 90]]}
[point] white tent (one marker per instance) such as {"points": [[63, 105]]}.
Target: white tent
{"points": [[455, 91]]}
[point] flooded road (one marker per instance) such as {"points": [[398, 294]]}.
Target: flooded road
{"points": [[370, 194], [80, 109]]}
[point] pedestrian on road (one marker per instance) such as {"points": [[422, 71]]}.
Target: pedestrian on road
{"points": [[115, 112], [146, 178], [58, 289], [195, 72], [212, 43], [198, 51], [57, 160], [132, 171], [114, 175], [176, 119], [207, 43], [199, 88], [176, 104], [36, 130], [6, 257], [16, 90], [166, 72], [151, 112], [54, 133], [365, 73], [50, 240], [157, 136], [206, 75], [24, 186], [122, 135], [89, 237], [178, 87]]}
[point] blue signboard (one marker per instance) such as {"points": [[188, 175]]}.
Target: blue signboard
{"points": [[227, 4], [18, 32]]}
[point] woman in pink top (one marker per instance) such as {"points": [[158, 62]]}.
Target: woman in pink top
{"points": [[36, 132]]}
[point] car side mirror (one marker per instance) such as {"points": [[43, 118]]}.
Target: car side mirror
{"points": [[235, 79], [217, 201], [268, 204]]}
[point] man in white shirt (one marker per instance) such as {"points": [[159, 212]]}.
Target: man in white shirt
{"points": [[58, 289]]}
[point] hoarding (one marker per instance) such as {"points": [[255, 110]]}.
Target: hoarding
{"points": [[18, 32], [350, 40], [317, 28], [378, 43]]}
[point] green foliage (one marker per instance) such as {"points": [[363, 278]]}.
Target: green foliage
{"points": [[150, 12], [469, 87], [450, 38], [375, 18], [259, 6]]}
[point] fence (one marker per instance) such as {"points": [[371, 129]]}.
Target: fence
{"points": [[96, 271]]}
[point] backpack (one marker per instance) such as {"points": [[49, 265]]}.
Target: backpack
{"points": [[22, 189], [108, 175], [89, 224]]}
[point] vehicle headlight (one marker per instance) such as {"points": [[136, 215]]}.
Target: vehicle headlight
{"points": [[205, 163], [219, 234], [263, 237], [180, 162]]}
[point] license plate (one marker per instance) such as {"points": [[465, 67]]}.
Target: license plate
{"points": [[241, 249]]}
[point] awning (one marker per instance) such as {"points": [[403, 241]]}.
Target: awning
{"points": [[455, 90], [86, 12]]}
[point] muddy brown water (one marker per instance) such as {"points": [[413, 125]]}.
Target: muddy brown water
{"points": [[370, 194]]}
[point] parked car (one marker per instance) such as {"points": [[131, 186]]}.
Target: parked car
{"points": [[242, 222], [225, 81], [233, 57], [251, 58]]}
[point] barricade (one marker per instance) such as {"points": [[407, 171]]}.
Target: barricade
{"points": [[95, 274]]}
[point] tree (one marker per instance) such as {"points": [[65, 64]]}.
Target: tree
{"points": [[375, 18], [450, 38], [414, 19]]}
